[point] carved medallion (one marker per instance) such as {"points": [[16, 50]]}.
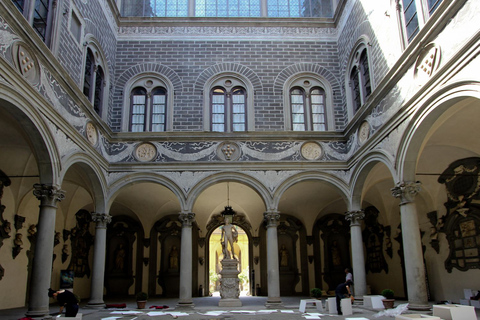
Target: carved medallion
{"points": [[145, 152], [363, 132], [228, 151], [26, 62], [311, 151], [91, 133]]}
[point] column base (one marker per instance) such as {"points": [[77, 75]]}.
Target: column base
{"points": [[273, 303], [419, 306], [95, 305], [186, 304], [37, 313]]}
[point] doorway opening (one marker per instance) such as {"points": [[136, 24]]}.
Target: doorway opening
{"points": [[216, 255]]}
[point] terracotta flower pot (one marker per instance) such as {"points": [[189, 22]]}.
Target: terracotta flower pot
{"points": [[141, 304], [388, 303]]}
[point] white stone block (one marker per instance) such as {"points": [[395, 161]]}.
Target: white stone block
{"points": [[332, 305], [454, 312], [468, 293], [415, 317], [374, 302], [346, 305], [316, 303], [465, 302], [475, 303]]}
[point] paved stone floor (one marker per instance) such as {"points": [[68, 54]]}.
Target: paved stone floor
{"points": [[253, 308]]}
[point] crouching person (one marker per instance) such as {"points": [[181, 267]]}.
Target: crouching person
{"points": [[67, 300], [342, 291]]}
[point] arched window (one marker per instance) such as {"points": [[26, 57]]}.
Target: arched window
{"points": [[228, 109], [89, 72], [229, 105], [95, 78], [308, 109], [306, 105], [147, 105], [359, 82]]}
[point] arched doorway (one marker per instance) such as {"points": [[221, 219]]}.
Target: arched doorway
{"points": [[216, 256]]}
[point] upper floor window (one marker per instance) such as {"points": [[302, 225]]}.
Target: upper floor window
{"points": [[39, 13], [148, 105], [94, 77], [298, 8], [230, 8], [359, 80], [308, 109], [415, 14], [228, 109], [307, 104], [222, 8], [148, 110], [230, 105]]}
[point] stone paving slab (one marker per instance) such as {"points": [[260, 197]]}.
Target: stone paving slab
{"points": [[253, 308]]}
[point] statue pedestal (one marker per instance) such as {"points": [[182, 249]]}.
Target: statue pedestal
{"points": [[229, 284]]}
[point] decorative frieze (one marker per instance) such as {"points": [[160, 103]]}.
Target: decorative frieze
{"points": [[219, 31]]}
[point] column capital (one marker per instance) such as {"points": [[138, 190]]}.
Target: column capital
{"points": [[406, 191], [48, 194], [271, 217], [101, 219], [354, 217], [186, 219]]}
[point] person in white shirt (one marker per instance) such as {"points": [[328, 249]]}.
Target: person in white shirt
{"points": [[349, 275]]}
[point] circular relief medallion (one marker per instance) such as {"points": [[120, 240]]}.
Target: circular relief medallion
{"points": [[228, 151], [145, 152], [91, 133], [311, 151], [363, 132]]}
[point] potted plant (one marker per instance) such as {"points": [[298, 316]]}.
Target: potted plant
{"points": [[389, 300], [142, 298], [316, 293]]}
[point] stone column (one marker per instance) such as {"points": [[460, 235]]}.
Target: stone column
{"points": [[185, 299], [273, 271], [38, 303], [412, 245], [98, 274], [358, 257]]}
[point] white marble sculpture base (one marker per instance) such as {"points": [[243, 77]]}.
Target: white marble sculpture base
{"points": [[230, 303], [229, 284]]}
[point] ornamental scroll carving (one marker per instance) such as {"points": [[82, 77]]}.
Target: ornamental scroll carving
{"points": [[461, 223]]}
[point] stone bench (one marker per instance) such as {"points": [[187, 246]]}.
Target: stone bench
{"points": [[374, 302], [454, 312], [314, 302], [346, 305]]}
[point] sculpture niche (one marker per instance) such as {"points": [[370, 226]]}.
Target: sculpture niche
{"points": [[229, 282]]}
